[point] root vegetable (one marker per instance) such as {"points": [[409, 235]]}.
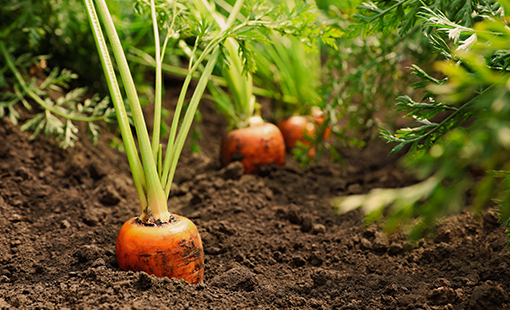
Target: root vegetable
{"points": [[156, 242], [172, 249], [297, 128], [256, 146]]}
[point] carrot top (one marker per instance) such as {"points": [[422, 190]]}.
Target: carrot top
{"points": [[152, 172]]}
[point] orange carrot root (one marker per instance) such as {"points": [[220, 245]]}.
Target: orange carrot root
{"points": [[171, 250], [295, 128], [254, 147]]}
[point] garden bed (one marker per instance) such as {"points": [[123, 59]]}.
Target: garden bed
{"points": [[271, 241]]}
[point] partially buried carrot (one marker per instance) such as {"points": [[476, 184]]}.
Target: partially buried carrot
{"points": [[171, 249], [156, 241], [259, 145], [297, 128]]}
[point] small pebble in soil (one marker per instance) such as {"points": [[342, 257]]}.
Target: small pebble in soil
{"points": [[318, 229], [22, 172], [365, 244], [65, 224], [395, 248], [306, 223], [240, 257], [380, 242], [442, 295], [91, 217], [218, 183], [108, 195], [98, 262], [15, 243], [491, 217], [293, 214], [298, 261], [440, 282], [233, 171], [87, 253], [316, 258], [322, 276], [15, 218], [443, 235]]}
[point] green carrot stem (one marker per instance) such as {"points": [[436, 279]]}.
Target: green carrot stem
{"points": [[177, 112], [189, 116], [157, 104], [172, 157], [145, 59], [156, 200], [240, 84], [120, 110]]}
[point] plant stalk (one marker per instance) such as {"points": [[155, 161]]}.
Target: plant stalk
{"points": [[157, 104], [172, 155], [188, 118], [157, 208], [145, 59], [120, 110]]}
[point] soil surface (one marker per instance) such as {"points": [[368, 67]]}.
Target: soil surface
{"points": [[271, 241]]}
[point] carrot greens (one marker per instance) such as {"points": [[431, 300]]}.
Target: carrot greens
{"points": [[152, 172], [219, 34]]}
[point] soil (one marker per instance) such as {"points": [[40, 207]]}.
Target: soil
{"points": [[271, 241]]}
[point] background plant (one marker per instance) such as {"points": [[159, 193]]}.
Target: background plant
{"points": [[460, 132], [54, 115], [44, 44], [291, 69], [268, 21], [358, 78]]}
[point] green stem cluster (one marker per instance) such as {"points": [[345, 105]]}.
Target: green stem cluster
{"points": [[145, 59], [152, 178]]}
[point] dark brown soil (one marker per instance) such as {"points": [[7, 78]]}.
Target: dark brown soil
{"points": [[271, 242]]}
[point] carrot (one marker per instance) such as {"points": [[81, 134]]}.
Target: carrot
{"points": [[172, 249], [294, 128], [156, 241], [319, 120], [297, 128], [261, 144]]}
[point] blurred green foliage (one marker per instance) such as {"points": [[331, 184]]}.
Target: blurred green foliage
{"points": [[59, 29], [51, 49], [361, 78], [460, 134], [55, 28], [286, 67]]}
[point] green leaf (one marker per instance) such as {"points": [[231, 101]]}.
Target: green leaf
{"points": [[398, 148]]}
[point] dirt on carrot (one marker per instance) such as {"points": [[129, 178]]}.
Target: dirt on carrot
{"points": [[270, 242]]}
